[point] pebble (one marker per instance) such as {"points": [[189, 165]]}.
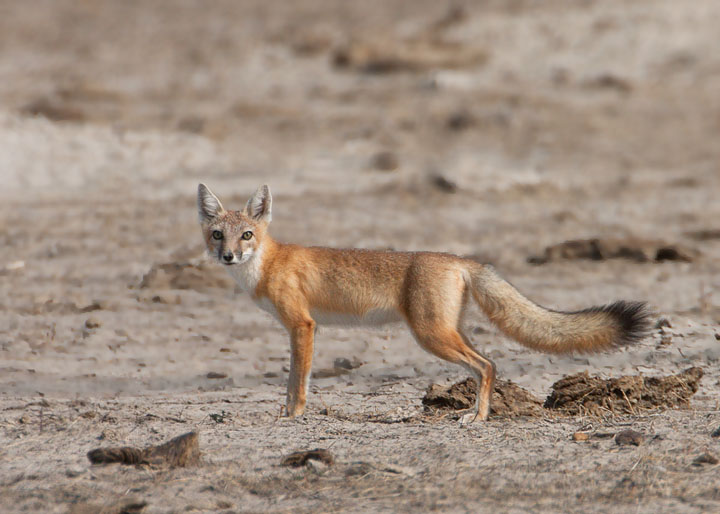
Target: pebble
{"points": [[705, 458], [629, 437], [92, 323], [581, 436], [385, 161]]}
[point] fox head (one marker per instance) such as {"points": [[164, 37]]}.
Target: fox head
{"points": [[234, 237]]}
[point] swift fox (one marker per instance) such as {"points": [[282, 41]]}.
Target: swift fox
{"points": [[304, 286]]}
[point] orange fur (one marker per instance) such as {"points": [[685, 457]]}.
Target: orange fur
{"points": [[429, 291]]}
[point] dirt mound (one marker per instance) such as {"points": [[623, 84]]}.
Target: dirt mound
{"points": [[573, 395], [638, 250], [508, 400], [181, 451], [583, 394], [185, 275]]}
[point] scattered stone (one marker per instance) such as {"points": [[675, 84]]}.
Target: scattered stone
{"points": [[716, 432], [705, 458], [610, 81], [74, 472], [359, 469], [167, 299], [460, 120], [443, 184], [300, 458], [53, 109], [383, 56], [344, 363], [581, 436], [508, 399], [717, 336], [629, 437], [192, 124], [222, 417], [581, 394], [341, 366], [384, 161], [12, 266], [92, 323], [638, 250], [213, 375], [182, 451], [329, 372], [704, 235], [310, 43], [665, 339], [662, 322]]}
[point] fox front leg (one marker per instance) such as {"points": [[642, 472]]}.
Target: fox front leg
{"points": [[302, 335]]}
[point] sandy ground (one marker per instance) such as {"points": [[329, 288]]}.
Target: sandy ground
{"points": [[545, 122]]}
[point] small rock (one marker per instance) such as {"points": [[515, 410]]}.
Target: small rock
{"points": [[716, 432], [663, 322], [317, 466], [460, 120], [74, 472], [359, 469], [344, 363], [443, 184], [717, 336], [92, 323], [705, 458], [192, 124], [215, 375], [581, 436], [13, 266], [385, 161], [300, 458], [629, 437]]}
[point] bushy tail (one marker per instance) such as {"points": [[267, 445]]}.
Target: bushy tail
{"points": [[589, 330]]}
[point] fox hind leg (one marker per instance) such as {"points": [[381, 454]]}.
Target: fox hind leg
{"points": [[450, 345]]}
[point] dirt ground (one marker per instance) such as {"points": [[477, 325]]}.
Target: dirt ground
{"points": [[493, 129]]}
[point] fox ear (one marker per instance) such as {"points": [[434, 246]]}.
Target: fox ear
{"points": [[209, 207], [259, 206]]}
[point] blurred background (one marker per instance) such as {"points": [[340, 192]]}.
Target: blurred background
{"points": [[497, 129]]}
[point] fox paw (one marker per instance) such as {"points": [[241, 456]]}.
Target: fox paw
{"points": [[468, 418]]}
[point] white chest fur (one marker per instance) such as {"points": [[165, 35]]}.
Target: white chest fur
{"points": [[247, 274]]}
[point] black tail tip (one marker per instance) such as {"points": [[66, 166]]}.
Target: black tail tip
{"points": [[633, 318]]}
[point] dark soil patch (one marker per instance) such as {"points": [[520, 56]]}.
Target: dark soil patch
{"points": [[508, 400], [638, 250], [583, 394]]}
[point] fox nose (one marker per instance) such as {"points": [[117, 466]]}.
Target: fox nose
{"points": [[228, 257]]}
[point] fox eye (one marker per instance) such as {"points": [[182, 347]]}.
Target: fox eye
{"points": [[216, 234], [247, 235]]}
